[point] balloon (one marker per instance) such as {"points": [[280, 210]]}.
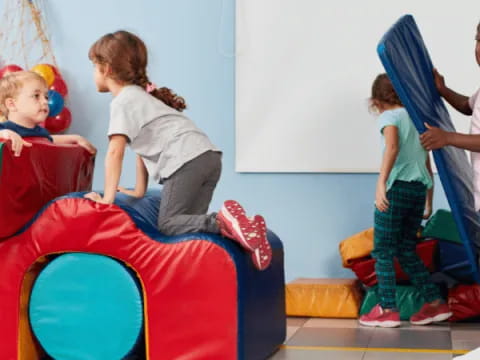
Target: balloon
{"points": [[59, 86], [55, 70], [9, 69], [59, 123], [55, 102], [45, 71]]}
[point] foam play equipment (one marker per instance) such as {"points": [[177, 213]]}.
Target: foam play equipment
{"points": [[365, 269], [408, 65], [464, 302], [442, 226], [327, 298], [42, 173], [452, 261], [356, 247], [107, 326], [202, 298], [408, 299]]}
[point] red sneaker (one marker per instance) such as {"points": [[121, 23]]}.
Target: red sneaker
{"points": [[251, 234], [379, 317], [262, 255], [234, 224], [430, 313]]}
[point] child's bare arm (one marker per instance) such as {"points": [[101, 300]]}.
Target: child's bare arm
{"points": [[75, 139], [113, 169], [458, 101], [389, 157], [429, 200], [17, 142], [141, 181]]}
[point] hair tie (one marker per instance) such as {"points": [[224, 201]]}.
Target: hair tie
{"points": [[151, 87]]}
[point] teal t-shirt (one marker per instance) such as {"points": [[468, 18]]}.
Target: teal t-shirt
{"points": [[411, 159]]}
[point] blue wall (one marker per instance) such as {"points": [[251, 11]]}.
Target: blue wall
{"points": [[191, 43]]}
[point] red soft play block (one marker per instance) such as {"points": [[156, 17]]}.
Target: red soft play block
{"points": [[464, 302], [365, 268], [176, 278], [40, 174]]}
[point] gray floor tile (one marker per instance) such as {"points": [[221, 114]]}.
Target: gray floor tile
{"points": [[465, 338], [370, 355], [444, 326], [294, 354], [463, 326], [291, 330], [332, 337], [332, 323], [296, 321], [396, 338]]}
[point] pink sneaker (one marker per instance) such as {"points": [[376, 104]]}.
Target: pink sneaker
{"points": [[262, 255], [251, 234], [430, 313], [378, 317]]}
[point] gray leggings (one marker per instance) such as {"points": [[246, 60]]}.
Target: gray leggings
{"points": [[186, 196]]}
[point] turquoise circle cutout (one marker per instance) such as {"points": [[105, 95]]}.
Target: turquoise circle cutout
{"points": [[86, 306]]}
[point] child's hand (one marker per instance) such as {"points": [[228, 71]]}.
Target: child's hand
{"points": [[428, 212], [381, 201], [434, 138], [95, 197], [128, 192], [17, 142], [87, 145], [439, 81]]}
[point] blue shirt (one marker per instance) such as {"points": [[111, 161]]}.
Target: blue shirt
{"points": [[23, 131], [410, 164]]}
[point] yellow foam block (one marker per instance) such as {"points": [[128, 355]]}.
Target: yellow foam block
{"points": [[356, 246], [328, 298]]}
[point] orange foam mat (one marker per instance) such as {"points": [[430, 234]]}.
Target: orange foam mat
{"points": [[327, 298]]}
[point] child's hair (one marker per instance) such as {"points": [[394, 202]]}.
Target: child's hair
{"points": [[383, 91], [126, 54], [12, 83]]}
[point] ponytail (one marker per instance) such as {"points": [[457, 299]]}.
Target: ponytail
{"points": [[171, 99]]}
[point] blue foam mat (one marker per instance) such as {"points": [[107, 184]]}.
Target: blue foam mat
{"points": [[408, 65]]}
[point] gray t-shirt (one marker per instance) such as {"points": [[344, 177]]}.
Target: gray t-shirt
{"points": [[163, 137]]}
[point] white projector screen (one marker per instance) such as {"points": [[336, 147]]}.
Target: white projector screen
{"points": [[304, 70]]}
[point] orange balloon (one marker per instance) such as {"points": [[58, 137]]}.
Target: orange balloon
{"points": [[45, 71]]}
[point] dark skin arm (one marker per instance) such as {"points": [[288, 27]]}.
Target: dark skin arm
{"points": [[435, 138], [458, 101]]}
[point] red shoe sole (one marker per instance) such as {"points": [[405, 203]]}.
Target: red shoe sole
{"points": [[235, 223], [262, 255]]}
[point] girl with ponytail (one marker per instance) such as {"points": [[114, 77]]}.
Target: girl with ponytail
{"points": [[170, 149]]}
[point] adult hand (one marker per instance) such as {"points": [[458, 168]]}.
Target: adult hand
{"points": [[439, 81], [434, 138]]}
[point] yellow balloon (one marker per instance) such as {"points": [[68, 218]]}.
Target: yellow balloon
{"points": [[46, 72]]}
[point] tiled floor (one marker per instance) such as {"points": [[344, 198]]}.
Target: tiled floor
{"points": [[337, 339]]}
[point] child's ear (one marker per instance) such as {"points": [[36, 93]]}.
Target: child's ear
{"points": [[107, 70], [10, 104]]}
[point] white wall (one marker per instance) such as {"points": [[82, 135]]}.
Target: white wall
{"points": [[304, 71]]}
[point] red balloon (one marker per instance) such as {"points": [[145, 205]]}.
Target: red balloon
{"points": [[59, 86], [59, 123], [9, 69]]}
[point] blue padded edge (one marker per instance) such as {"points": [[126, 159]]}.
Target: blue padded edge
{"points": [[263, 291], [408, 65]]}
